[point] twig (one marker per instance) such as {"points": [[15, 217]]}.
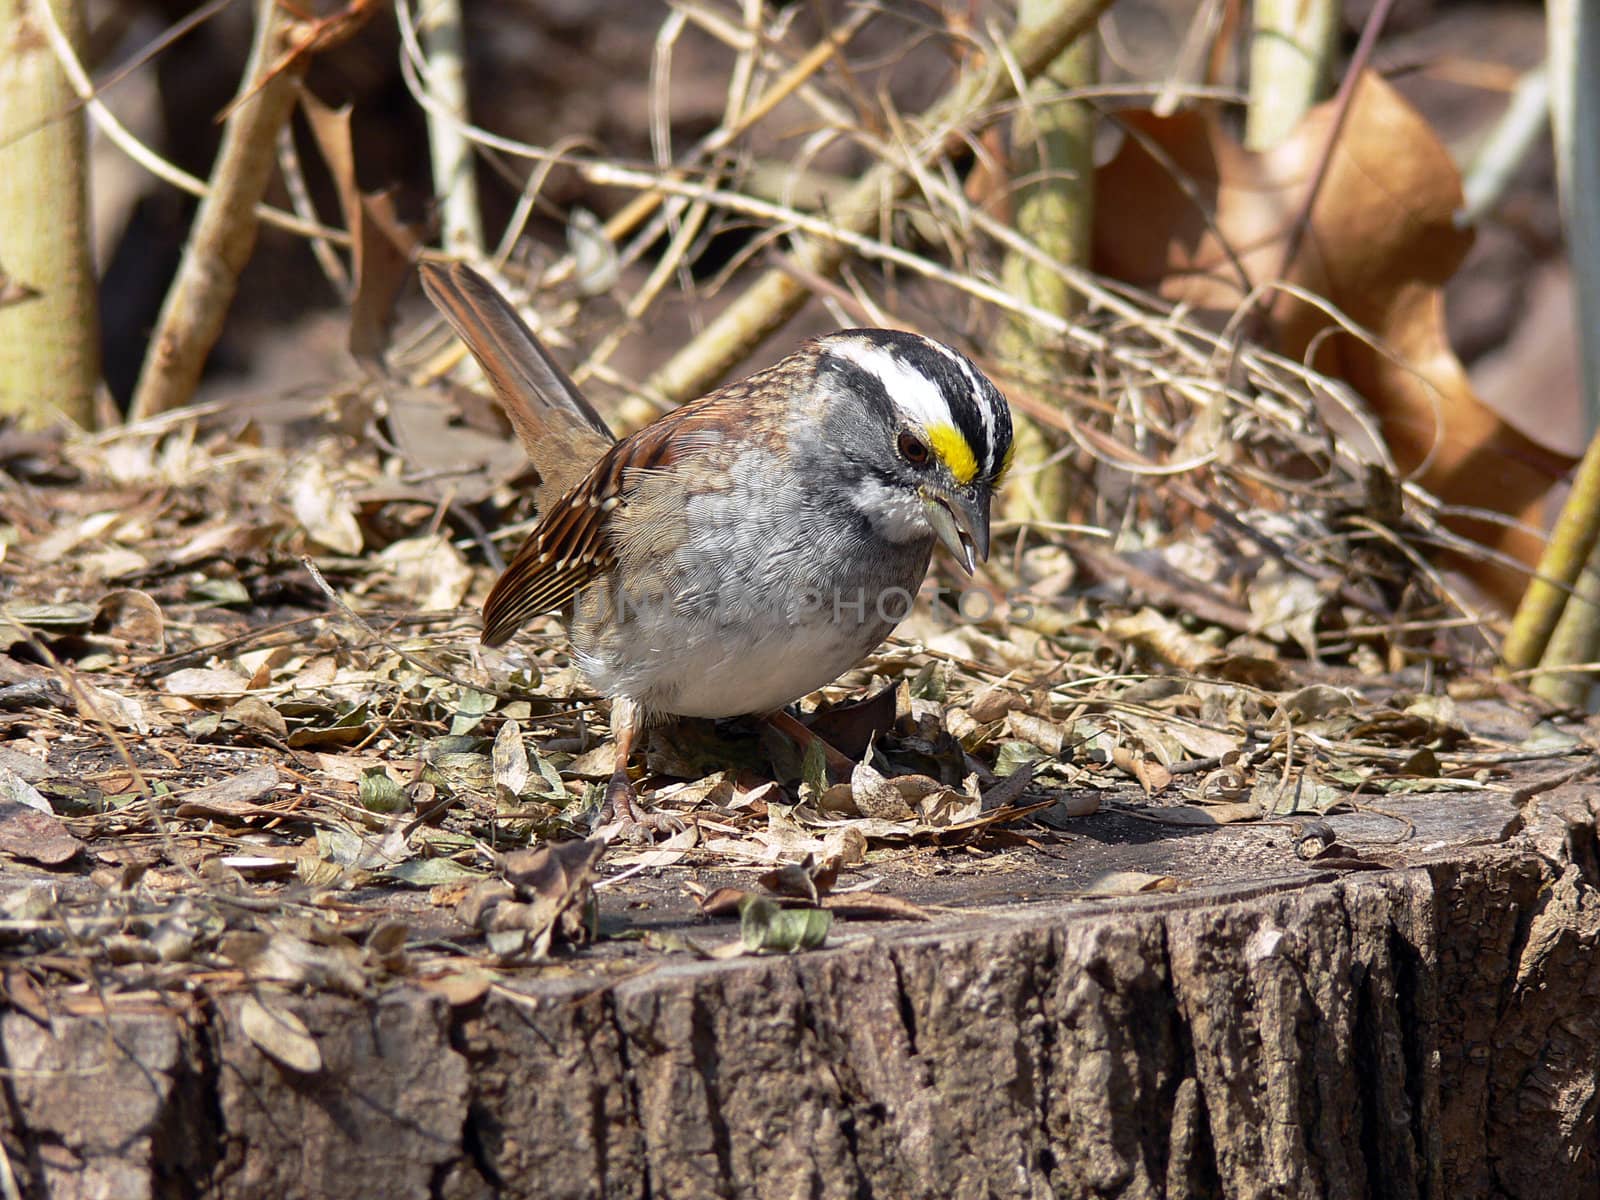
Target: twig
{"points": [[1520, 129], [451, 153], [1341, 110], [776, 296], [294, 180], [224, 231], [1576, 638], [117, 134]]}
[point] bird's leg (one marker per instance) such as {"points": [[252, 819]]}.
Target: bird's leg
{"points": [[622, 802], [839, 763]]}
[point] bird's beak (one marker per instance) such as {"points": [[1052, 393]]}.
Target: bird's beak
{"points": [[960, 518]]}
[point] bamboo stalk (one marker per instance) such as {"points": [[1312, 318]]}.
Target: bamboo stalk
{"points": [[50, 343], [1291, 47], [1053, 153], [1574, 640], [450, 151], [1571, 543]]}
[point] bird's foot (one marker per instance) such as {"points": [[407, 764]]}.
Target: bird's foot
{"points": [[633, 823]]}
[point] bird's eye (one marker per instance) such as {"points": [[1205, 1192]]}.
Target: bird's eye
{"points": [[912, 448]]}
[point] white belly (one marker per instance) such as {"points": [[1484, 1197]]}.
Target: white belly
{"points": [[726, 670]]}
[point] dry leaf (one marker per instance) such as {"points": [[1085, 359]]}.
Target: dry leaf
{"points": [[1381, 243], [336, 964], [1211, 814], [36, 836], [875, 796], [1130, 883], [14, 789], [851, 727], [510, 759], [429, 571], [547, 895], [24, 995], [663, 854], [460, 988], [133, 617], [280, 1035], [205, 683], [102, 704], [874, 906], [236, 796], [382, 244], [323, 509], [256, 714]]}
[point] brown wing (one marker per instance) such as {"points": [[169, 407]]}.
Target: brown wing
{"points": [[559, 429], [653, 471], [573, 542]]}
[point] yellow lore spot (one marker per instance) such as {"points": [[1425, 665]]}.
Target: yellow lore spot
{"points": [[953, 452], [1005, 463]]}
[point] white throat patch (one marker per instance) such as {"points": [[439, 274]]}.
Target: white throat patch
{"points": [[895, 514]]}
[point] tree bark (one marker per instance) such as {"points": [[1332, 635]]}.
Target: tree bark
{"points": [[1424, 1031]]}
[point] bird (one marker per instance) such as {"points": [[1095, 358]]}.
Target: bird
{"points": [[749, 547]]}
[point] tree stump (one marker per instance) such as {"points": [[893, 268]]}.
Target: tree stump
{"points": [[1412, 1022]]}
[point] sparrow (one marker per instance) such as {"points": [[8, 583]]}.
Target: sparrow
{"points": [[750, 547]]}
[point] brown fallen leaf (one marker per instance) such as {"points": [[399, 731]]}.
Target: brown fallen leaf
{"points": [[459, 988], [851, 728], [38, 837], [382, 244], [545, 895], [133, 617], [875, 796], [234, 797], [1153, 777], [874, 906], [1381, 243], [206, 683], [1167, 641], [850, 906], [722, 902], [24, 995], [280, 1035]]}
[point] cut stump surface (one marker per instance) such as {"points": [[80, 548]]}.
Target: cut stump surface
{"points": [[1421, 1023]]}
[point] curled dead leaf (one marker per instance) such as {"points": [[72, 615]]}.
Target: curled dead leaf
{"points": [[36, 836], [206, 683], [280, 1035], [768, 928], [132, 616], [876, 796], [546, 895], [323, 509]]}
